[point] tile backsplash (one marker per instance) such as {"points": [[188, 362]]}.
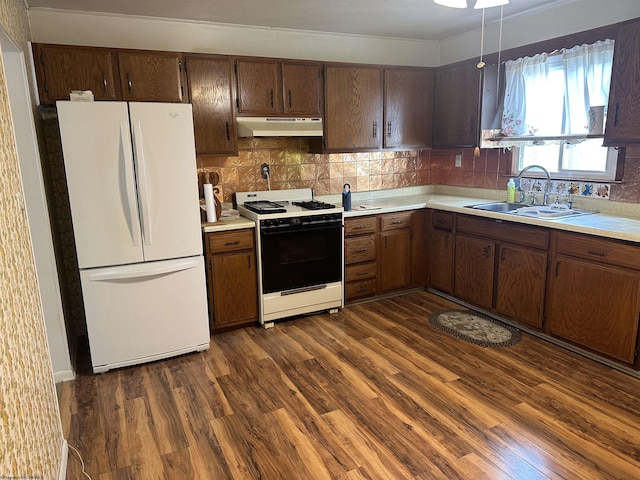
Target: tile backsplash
{"points": [[292, 166]]}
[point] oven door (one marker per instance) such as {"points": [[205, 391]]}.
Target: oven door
{"points": [[301, 256]]}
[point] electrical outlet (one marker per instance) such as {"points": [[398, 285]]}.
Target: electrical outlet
{"points": [[458, 161], [265, 170]]}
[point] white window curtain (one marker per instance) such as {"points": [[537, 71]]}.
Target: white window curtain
{"points": [[551, 95], [588, 77]]}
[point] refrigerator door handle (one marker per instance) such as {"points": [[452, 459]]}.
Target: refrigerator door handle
{"points": [[144, 271], [130, 186], [143, 185]]}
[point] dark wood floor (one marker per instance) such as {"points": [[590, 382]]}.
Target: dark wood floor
{"points": [[373, 392]]}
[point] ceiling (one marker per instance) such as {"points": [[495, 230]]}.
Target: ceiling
{"points": [[413, 19]]}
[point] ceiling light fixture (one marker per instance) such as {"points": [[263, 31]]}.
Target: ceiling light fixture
{"points": [[452, 3], [479, 3]]}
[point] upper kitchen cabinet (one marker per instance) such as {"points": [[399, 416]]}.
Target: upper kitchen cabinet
{"points": [[457, 106], [302, 83], [274, 87], [623, 116], [353, 108], [151, 76], [61, 69], [408, 107], [210, 90]]}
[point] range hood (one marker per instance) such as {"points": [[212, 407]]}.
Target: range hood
{"points": [[279, 127]]}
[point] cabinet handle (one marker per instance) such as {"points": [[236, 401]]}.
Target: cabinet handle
{"points": [[615, 115], [557, 267], [486, 250], [290, 102], [226, 126], [360, 250], [228, 244], [271, 96], [375, 129], [129, 85], [358, 227], [599, 253], [362, 288], [361, 274], [397, 222], [502, 255], [389, 128], [104, 82]]}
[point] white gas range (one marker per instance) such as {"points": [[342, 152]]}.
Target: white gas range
{"points": [[300, 252]]}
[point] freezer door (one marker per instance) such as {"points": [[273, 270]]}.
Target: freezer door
{"points": [[140, 313], [164, 152], [98, 160]]}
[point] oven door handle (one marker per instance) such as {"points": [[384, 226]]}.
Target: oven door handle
{"points": [[302, 290], [305, 228]]}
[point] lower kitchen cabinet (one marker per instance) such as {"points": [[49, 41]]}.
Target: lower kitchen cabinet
{"points": [[232, 278], [474, 270], [395, 251], [521, 279], [502, 267], [361, 257], [594, 295], [441, 252]]}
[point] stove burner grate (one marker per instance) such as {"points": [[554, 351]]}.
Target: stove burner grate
{"points": [[314, 205]]}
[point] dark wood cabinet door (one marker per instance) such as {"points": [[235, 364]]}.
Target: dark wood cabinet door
{"points": [[595, 306], [420, 248], [258, 84], [456, 110], [235, 291], [522, 274], [210, 91], [623, 115], [353, 108], [441, 260], [151, 76], [61, 69], [408, 107], [395, 259], [474, 270], [302, 89]]}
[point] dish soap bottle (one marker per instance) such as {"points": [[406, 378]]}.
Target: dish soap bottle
{"points": [[511, 191]]}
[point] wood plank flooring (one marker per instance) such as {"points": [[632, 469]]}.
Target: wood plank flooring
{"points": [[373, 392]]}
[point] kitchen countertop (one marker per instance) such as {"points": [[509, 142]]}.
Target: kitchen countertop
{"points": [[620, 221], [610, 225]]}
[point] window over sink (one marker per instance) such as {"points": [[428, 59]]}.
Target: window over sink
{"points": [[554, 111]]}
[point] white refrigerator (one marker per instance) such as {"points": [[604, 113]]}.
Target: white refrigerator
{"points": [[131, 175]]}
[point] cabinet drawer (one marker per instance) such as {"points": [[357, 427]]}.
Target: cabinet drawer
{"points": [[612, 252], [361, 289], [230, 241], [395, 220], [359, 225], [360, 249], [504, 231], [442, 220], [360, 271]]}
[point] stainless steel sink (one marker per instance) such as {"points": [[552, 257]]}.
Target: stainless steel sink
{"points": [[499, 206], [547, 212]]}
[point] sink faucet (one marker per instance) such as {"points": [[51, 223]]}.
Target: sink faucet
{"points": [[546, 187]]}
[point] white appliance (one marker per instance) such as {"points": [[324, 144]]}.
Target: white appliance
{"points": [[300, 252], [131, 175]]}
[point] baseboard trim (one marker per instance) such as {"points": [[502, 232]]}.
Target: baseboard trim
{"points": [[64, 458], [63, 376]]}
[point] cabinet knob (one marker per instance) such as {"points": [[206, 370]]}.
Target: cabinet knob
{"points": [[104, 82], [129, 84], [375, 129]]}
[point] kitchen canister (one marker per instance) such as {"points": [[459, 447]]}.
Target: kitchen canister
{"points": [[346, 197]]}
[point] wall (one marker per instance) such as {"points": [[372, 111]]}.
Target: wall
{"points": [[566, 18], [292, 166], [30, 431], [50, 26]]}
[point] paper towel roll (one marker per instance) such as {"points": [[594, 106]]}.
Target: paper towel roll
{"points": [[210, 202]]}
